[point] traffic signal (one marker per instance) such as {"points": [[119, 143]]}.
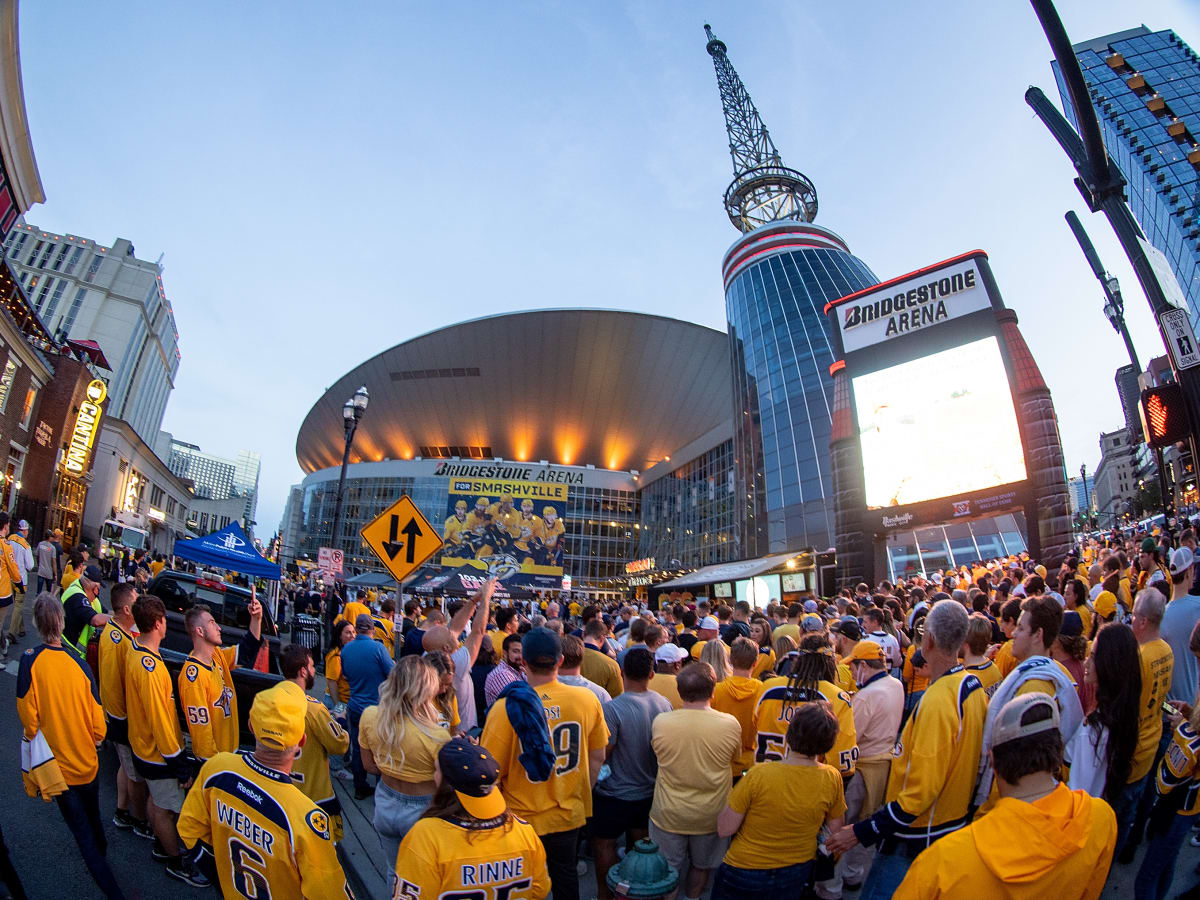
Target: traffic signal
{"points": [[1164, 415]]}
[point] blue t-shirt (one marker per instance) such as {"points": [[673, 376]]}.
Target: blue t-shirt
{"points": [[1178, 621], [365, 664]]}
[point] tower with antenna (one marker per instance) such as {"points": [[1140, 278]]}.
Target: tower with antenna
{"points": [[763, 189], [778, 277]]}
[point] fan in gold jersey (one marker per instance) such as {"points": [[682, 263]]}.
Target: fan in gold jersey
{"points": [[468, 841]]}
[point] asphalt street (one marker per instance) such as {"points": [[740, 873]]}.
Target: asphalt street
{"points": [[45, 856]]}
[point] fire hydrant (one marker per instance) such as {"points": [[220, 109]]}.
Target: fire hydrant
{"points": [[643, 874]]}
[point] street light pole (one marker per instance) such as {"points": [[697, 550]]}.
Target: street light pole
{"points": [[352, 413]]}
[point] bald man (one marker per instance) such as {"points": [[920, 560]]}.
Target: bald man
{"points": [[446, 638]]}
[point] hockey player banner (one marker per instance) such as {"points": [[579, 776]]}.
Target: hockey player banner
{"points": [[511, 529]]}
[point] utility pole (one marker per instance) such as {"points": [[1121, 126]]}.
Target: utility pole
{"points": [[1101, 183], [1087, 500]]}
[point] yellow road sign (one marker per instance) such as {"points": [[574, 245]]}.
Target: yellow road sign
{"points": [[401, 537]]}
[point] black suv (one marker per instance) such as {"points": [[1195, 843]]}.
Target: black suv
{"points": [[230, 604]]}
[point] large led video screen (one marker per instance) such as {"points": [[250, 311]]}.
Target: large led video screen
{"points": [[938, 426]]}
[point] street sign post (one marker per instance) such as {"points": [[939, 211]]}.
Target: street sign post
{"points": [[1181, 339], [330, 560], [402, 538]]}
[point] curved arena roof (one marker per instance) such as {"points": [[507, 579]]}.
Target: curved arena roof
{"points": [[618, 390]]}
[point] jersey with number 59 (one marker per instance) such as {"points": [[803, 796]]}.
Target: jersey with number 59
{"points": [[564, 800], [209, 703], [444, 858], [267, 839], [774, 714]]}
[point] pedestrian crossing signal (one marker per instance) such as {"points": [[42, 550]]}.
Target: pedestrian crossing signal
{"points": [[1164, 415]]}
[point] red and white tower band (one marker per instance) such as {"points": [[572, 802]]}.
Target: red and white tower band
{"points": [[940, 415]]}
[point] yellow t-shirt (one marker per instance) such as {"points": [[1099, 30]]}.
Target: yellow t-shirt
{"points": [[786, 630], [352, 610], [1004, 659], [414, 758], [564, 800], [336, 685], [695, 749], [1157, 663], [784, 806], [696, 648], [662, 683], [574, 608]]}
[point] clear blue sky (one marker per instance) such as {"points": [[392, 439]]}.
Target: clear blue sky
{"points": [[326, 181]]}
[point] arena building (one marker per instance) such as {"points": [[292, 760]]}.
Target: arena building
{"points": [[627, 415]]}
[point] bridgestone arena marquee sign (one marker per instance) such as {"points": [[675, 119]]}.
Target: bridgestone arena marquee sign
{"points": [[911, 305]]}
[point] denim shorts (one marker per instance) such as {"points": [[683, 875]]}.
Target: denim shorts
{"points": [[395, 814]]}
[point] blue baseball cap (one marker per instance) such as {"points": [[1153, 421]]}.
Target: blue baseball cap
{"points": [[541, 648]]}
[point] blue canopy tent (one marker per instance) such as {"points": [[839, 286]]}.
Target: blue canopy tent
{"points": [[228, 548]]}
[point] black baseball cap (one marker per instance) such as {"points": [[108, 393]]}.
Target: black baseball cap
{"points": [[541, 648]]}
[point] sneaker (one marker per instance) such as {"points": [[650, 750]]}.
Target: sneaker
{"points": [[141, 828], [187, 873], [158, 853], [1194, 840], [122, 820]]}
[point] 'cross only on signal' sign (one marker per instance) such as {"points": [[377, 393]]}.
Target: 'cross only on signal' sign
{"points": [[1180, 338]]}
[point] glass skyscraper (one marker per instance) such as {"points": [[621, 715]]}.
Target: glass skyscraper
{"points": [[778, 279], [1145, 87]]}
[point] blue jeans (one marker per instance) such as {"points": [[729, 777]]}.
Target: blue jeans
{"points": [[356, 764], [80, 807], [1158, 865], [395, 815], [732, 883], [885, 876], [1126, 810]]}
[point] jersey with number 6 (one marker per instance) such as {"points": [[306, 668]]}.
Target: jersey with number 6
{"points": [[267, 839], [443, 858], [774, 714], [564, 800], [209, 703]]}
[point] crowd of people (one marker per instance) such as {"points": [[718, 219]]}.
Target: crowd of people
{"points": [[998, 729]]}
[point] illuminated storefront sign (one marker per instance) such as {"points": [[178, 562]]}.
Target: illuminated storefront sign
{"points": [[639, 565], [156, 514], [83, 434]]}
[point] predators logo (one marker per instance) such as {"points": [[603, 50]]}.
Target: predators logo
{"points": [[318, 821]]}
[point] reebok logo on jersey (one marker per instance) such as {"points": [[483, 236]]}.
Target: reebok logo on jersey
{"points": [[319, 823], [148, 663], [191, 672]]}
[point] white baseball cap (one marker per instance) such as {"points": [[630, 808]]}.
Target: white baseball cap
{"points": [[709, 622], [1181, 560], [670, 653]]}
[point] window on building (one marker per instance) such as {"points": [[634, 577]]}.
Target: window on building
{"points": [[171, 506], [69, 321], [54, 298], [6, 380], [27, 410], [156, 496], [93, 268], [62, 254], [78, 252], [41, 264], [41, 298], [37, 248]]}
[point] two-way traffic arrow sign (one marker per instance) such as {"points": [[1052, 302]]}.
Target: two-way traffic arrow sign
{"points": [[401, 537]]}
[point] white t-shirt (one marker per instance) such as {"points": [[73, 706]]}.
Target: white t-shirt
{"points": [[464, 688], [1086, 759], [891, 647]]}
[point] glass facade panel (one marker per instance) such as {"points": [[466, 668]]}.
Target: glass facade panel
{"points": [[956, 543], [1162, 184], [781, 353], [689, 516]]}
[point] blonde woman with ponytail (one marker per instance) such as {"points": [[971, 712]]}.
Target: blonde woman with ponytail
{"points": [[400, 739]]}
